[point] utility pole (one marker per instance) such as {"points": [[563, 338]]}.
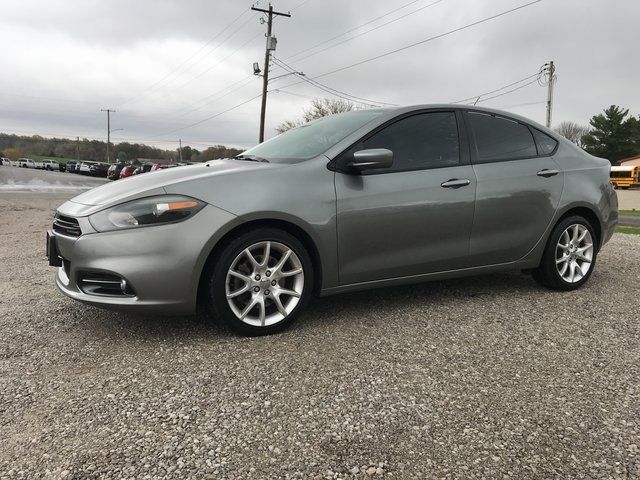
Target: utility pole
{"points": [[109, 112], [551, 72], [271, 45], [78, 148], [180, 140]]}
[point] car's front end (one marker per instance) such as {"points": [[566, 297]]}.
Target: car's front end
{"points": [[139, 254]]}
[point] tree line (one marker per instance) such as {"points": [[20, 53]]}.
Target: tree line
{"points": [[17, 146]]}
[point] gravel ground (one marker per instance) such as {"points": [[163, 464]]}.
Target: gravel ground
{"points": [[488, 377]]}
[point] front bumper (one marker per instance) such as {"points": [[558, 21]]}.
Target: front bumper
{"points": [[161, 264]]}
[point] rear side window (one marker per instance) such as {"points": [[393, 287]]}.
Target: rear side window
{"points": [[546, 144], [499, 139], [422, 141]]}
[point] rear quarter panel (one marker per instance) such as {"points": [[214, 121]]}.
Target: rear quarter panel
{"points": [[587, 185]]}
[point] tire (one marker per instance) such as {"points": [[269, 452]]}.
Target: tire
{"points": [[275, 305], [563, 244]]}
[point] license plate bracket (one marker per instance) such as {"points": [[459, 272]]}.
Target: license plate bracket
{"points": [[52, 250]]}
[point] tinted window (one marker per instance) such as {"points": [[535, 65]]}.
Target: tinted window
{"points": [[428, 140], [545, 143], [500, 139]]}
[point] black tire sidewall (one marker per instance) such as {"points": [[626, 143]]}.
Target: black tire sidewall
{"points": [[216, 293], [549, 259]]}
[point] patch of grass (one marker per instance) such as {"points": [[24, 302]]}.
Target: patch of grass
{"points": [[630, 213], [629, 230]]}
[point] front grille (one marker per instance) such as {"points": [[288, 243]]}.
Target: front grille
{"points": [[100, 283], [66, 226]]}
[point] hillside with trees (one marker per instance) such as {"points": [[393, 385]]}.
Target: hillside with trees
{"points": [[16, 146]]}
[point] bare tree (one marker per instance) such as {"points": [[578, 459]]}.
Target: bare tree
{"points": [[320, 107], [572, 131]]}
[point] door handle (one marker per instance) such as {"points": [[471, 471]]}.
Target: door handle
{"points": [[546, 173], [455, 183]]}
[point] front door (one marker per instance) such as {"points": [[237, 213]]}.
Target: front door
{"points": [[415, 217]]}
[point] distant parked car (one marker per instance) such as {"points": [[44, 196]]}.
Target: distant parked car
{"points": [[99, 169], [143, 168], [5, 161], [71, 166], [114, 170], [39, 165], [51, 165], [127, 171], [85, 168], [26, 163]]}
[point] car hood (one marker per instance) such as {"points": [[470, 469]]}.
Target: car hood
{"points": [[154, 183]]}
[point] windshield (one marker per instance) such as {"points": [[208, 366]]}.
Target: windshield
{"points": [[313, 138]]}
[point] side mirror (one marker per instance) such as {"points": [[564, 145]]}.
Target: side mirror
{"points": [[371, 159]]}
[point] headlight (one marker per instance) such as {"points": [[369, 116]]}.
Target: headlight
{"points": [[146, 212]]}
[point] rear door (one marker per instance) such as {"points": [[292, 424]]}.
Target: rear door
{"points": [[519, 185]]}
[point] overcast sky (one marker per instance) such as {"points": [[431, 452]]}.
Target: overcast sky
{"points": [[164, 65]]}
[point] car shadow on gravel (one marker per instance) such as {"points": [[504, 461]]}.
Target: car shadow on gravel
{"points": [[339, 310]]}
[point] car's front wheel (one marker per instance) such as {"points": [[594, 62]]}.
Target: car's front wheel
{"points": [[570, 255], [260, 281]]}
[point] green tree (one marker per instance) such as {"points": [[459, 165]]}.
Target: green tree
{"points": [[614, 135], [122, 156]]}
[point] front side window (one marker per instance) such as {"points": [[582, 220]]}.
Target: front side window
{"points": [[422, 141], [499, 139]]}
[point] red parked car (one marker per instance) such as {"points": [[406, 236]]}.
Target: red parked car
{"points": [[127, 171], [114, 170]]}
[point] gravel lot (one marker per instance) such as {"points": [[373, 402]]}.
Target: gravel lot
{"points": [[489, 377]]}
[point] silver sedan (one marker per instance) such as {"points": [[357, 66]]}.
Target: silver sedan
{"points": [[365, 199]]}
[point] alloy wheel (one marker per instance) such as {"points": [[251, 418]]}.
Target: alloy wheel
{"points": [[574, 253], [264, 283]]}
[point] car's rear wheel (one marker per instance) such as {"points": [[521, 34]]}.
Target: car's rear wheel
{"points": [[260, 281], [570, 255]]}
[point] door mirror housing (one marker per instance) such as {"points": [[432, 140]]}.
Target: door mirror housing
{"points": [[370, 159]]}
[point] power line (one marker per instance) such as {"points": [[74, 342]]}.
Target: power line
{"points": [[522, 104], [508, 91], [329, 47], [304, 2], [293, 93], [421, 42], [333, 91], [156, 85], [498, 89], [207, 118], [353, 29]]}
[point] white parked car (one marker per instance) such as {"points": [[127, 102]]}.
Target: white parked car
{"points": [[5, 161], [85, 167], [51, 165], [26, 163]]}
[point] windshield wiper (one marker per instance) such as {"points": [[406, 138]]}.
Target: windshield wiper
{"points": [[251, 158]]}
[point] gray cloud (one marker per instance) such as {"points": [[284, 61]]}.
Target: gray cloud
{"points": [[63, 61]]}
